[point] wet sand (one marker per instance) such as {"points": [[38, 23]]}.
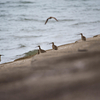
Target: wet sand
{"points": [[70, 73]]}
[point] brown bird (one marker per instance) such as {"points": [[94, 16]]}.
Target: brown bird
{"points": [[54, 46], [41, 50], [83, 37], [50, 18]]}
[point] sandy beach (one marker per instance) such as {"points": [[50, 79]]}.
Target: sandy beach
{"points": [[71, 72]]}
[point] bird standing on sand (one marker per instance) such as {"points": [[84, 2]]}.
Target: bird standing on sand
{"points": [[83, 37], [54, 46], [41, 50], [50, 18]]}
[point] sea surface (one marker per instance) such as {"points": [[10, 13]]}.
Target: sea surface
{"points": [[22, 26]]}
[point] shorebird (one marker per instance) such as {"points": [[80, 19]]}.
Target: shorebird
{"points": [[41, 50], [0, 57], [54, 46], [83, 37], [50, 18]]}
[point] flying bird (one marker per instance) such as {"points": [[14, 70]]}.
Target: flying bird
{"points": [[50, 18]]}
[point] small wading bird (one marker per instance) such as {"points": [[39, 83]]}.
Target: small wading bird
{"points": [[54, 46], [0, 57], [82, 37], [50, 18], [40, 50]]}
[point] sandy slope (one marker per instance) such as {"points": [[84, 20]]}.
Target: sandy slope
{"points": [[70, 73]]}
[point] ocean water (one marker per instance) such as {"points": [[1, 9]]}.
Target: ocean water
{"points": [[22, 25]]}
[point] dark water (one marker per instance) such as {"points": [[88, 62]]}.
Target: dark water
{"points": [[22, 24]]}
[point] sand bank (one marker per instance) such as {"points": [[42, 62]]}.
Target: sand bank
{"points": [[63, 49], [71, 72]]}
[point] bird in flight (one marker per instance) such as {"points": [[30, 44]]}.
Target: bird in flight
{"points": [[50, 18]]}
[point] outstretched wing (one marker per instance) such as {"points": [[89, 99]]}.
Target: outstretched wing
{"points": [[46, 21], [50, 18], [55, 18]]}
